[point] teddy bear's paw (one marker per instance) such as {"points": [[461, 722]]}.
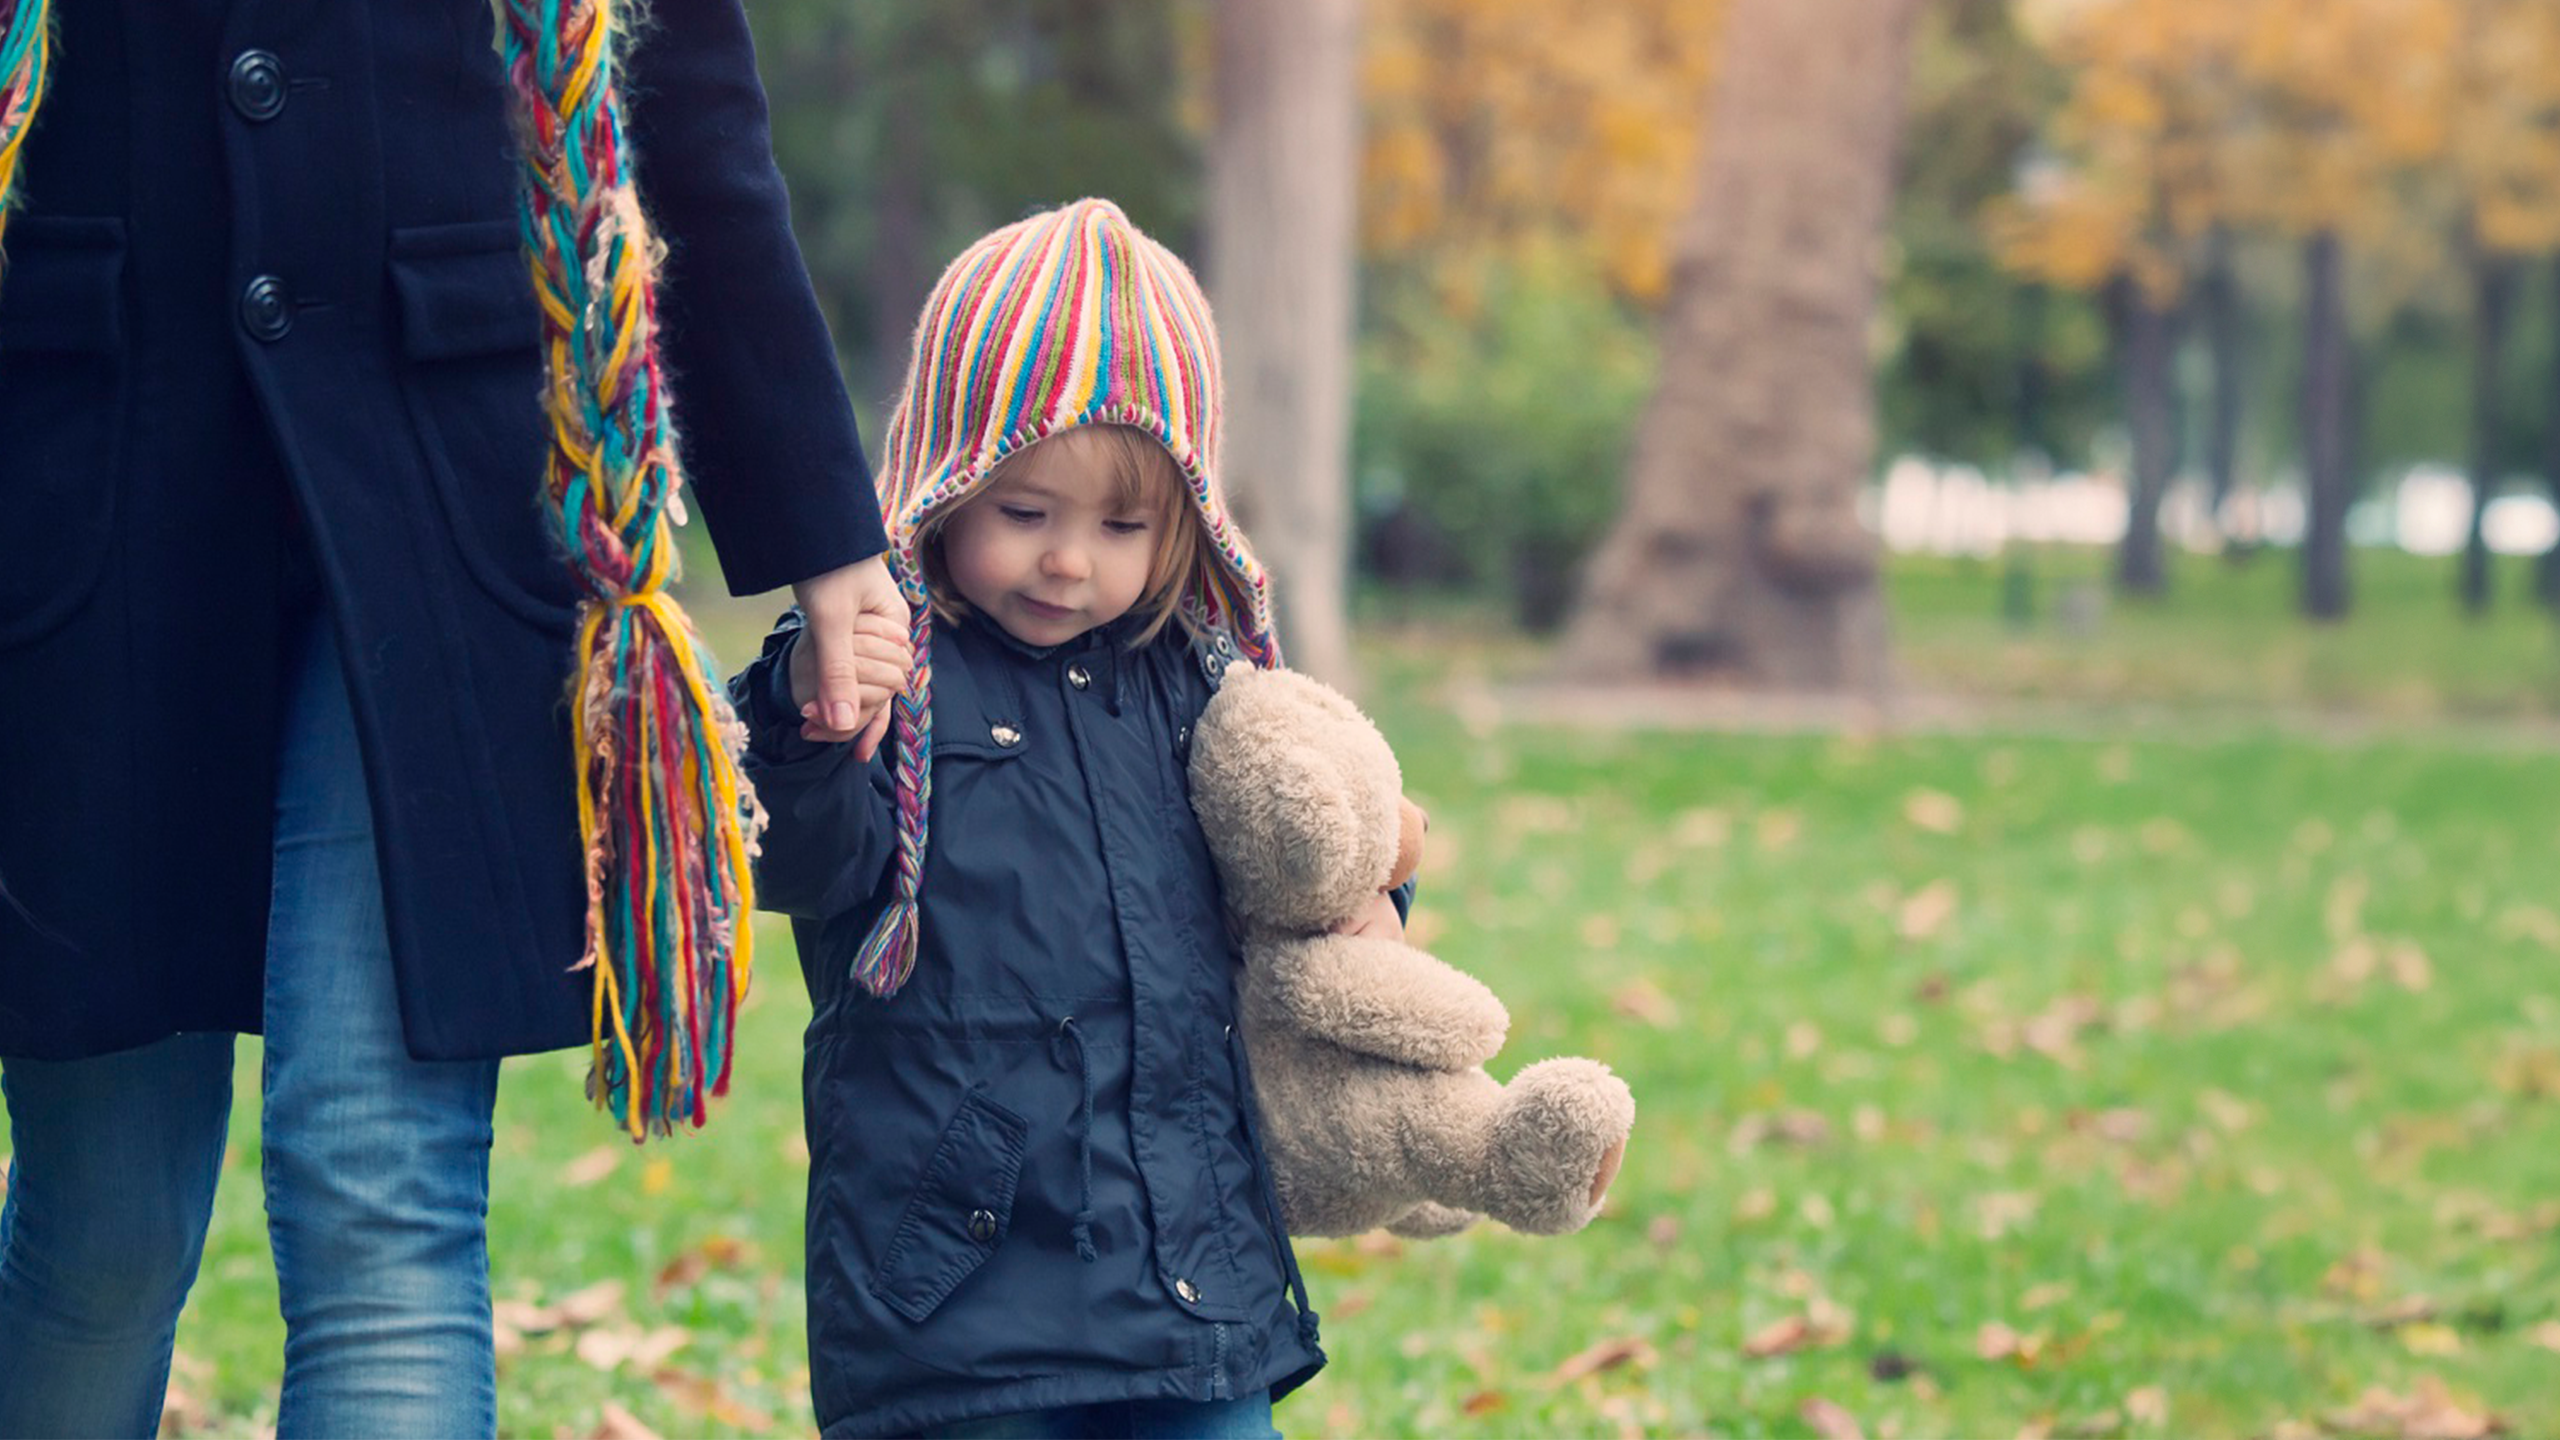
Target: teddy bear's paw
{"points": [[1431, 1220], [1557, 1144]]}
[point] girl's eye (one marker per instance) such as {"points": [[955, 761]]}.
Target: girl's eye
{"points": [[1125, 527], [1019, 514]]}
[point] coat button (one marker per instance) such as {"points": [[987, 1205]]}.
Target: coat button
{"points": [[1079, 677], [257, 85], [266, 311], [982, 1226], [1004, 735], [1186, 1292]]}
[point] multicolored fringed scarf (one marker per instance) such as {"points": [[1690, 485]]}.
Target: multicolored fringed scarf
{"points": [[668, 821], [1072, 317], [25, 50]]}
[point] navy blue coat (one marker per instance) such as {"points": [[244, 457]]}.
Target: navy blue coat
{"points": [[1063, 1053], [264, 317]]}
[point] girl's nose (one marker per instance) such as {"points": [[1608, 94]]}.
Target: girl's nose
{"points": [[1067, 562]]}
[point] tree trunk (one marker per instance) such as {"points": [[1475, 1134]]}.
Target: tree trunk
{"points": [[2328, 412], [1283, 166], [2220, 297], [2493, 287], [2546, 570], [2146, 353], [1738, 554], [897, 273]]}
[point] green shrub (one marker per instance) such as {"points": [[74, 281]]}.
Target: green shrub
{"points": [[1494, 415]]}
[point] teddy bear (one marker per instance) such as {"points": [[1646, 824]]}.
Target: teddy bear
{"points": [[1368, 1054]]}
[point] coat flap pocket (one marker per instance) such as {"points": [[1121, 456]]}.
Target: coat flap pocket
{"points": [[62, 284], [960, 1211], [463, 290]]}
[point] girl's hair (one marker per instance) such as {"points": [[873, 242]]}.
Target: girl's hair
{"points": [[1144, 478]]}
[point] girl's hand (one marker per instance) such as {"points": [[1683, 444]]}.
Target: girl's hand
{"points": [[853, 658], [879, 657], [1378, 919]]}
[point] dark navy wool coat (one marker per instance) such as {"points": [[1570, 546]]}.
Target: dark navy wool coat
{"points": [[264, 317], [1064, 1049]]}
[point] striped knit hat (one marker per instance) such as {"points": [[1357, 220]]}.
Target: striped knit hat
{"points": [[1071, 317]]}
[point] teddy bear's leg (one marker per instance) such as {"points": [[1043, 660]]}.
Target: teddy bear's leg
{"points": [[1430, 1220], [1556, 1144]]}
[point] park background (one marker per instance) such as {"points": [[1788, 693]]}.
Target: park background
{"points": [[1970, 587]]}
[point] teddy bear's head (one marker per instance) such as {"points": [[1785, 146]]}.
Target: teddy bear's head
{"points": [[1299, 797]]}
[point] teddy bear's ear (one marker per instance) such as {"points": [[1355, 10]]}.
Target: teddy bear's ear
{"points": [[1297, 794]]}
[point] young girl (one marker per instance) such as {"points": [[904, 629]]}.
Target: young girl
{"points": [[1036, 1203]]}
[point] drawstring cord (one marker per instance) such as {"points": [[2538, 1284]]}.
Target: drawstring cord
{"points": [[1245, 1104], [1068, 1033]]}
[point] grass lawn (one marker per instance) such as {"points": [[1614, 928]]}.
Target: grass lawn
{"points": [[2179, 1081]]}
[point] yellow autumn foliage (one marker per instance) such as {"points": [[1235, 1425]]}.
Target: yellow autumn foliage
{"points": [[2412, 127], [1499, 127]]}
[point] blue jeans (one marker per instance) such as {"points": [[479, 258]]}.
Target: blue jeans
{"points": [[1245, 1418], [376, 1165]]}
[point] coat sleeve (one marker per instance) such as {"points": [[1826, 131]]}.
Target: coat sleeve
{"points": [[830, 830], [761, 417]]}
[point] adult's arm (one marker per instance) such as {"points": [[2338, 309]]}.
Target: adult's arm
{"points": [[761, 417]]}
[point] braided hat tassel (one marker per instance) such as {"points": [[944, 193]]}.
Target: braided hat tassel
{"points": [[668, 822], [888, 953]]}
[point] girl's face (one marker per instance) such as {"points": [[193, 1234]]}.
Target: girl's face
{"points": [[1057, 545]]}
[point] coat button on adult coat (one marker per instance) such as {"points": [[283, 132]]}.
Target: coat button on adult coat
{"points": [[1186, 1292], [982, 1226], [1005, 736], [1078, 676], [266, 311], [257, 85]]}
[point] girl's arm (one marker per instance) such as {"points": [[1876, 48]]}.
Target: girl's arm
{"points": [[830, 836]]}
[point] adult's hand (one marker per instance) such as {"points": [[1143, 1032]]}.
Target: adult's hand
{"points": [[854, 655]]}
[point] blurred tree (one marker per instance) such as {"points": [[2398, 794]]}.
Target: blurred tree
{"points": [[1739, 553], [1282, 185], [1979, 363], [2136, 204], [909, 130]]}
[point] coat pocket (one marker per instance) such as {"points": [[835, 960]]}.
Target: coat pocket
{"points": [[960, 1210], [470, 340], [63, 397]]}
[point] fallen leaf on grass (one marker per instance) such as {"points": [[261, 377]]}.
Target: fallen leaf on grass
{"points": [[1607, 1355], [2148, 1406], [1784, 1127], [1934, 811], [593, 1166], [2430, 1338], [1642, 1000], [704, 1396], [1777, 829], [1484, 1402], [1995, 1341], [574, 1311], [1927, 911], [2530, 922], [617, 1423], [610, 1348], [2428, 1413], [2546, 1334], [1822, 1325], [1829, 1421], [717, 1252]]}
